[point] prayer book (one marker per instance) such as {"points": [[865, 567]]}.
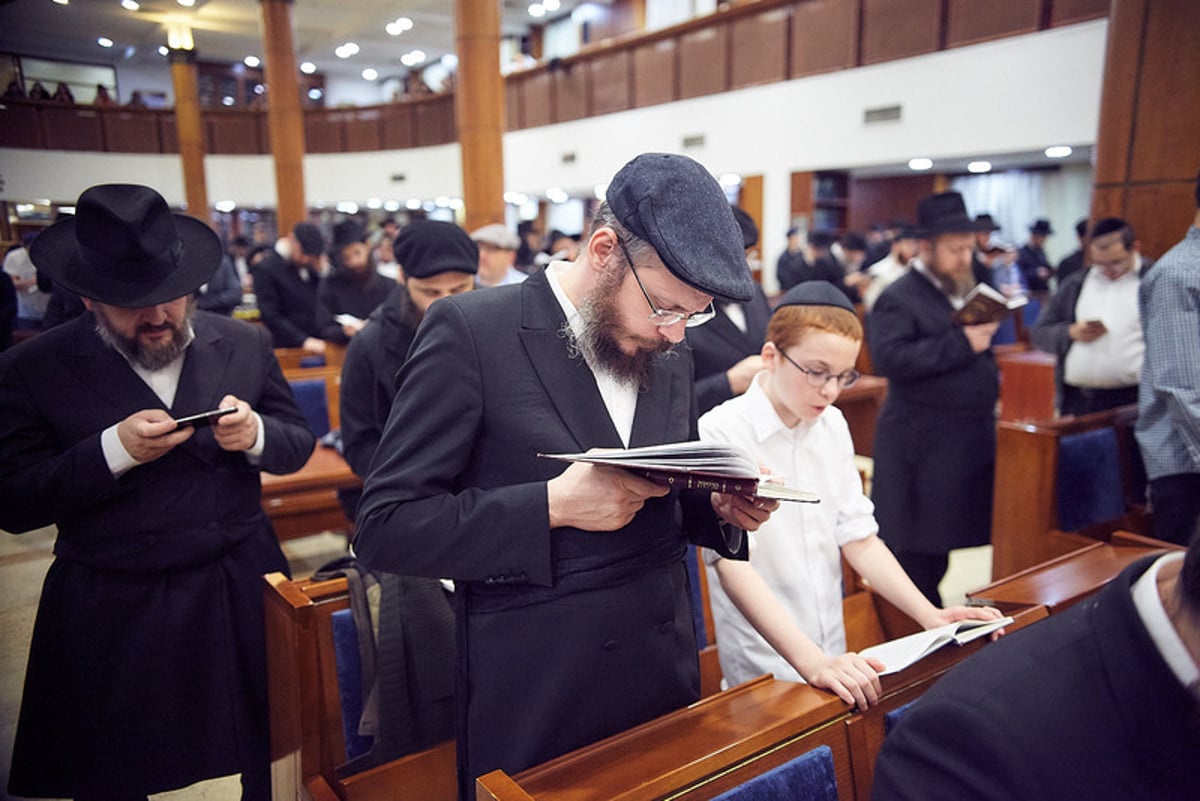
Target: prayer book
{"points": [[983, 304], [711, 466], [900, 653]]}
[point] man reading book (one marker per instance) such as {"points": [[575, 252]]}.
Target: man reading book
{"points": [[935, 442], [573, 611]]}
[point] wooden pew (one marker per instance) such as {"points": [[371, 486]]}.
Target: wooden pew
{"points": [[860, 404], [1025, 508], [306, 502], [725, 739], [291, 358], [1064, 581], [1026, 384], [305, 710]]}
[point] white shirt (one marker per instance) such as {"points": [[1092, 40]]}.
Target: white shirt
{"points": [[620, 397], [736, 314], [31, 302], [1115, 359], [1150, 609], [883, 274], [798, 550]]}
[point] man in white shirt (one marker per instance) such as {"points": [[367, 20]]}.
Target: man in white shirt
{"points": [[1092, 324]]}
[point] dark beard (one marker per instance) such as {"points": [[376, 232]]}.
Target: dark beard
{"points": [[149, 358], [599, 342]]}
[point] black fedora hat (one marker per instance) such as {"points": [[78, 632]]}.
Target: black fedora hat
{"points": [[988, 220], [1041, 227], [125, 247], [946, 213], [347, 232]]}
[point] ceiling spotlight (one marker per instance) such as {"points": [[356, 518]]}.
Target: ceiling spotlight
{"points": [[391, 205], [346, 50], [370, 74], [252, 61], [374, 203], [557, 195], [537, 10], [63, 2], [225, 206], [162, 50], [979, 166], [347, 207], [227, 101], [130, 5], [307, 67], [515, 198], [404, 23], [551, 5], [186, 3], [412, 58], [315, 93], [104, 41], [730, 179], [1058, 152], [413, 203], [919, 164], [392, 29]]}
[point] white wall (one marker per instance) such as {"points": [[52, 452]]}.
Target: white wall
{"points": [[1015, 94]]}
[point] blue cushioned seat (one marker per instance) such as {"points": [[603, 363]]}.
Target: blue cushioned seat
{"points": [[1089, 479], [349, 678], [891, 719], [808, 777], [315, 360], [313, 402]]}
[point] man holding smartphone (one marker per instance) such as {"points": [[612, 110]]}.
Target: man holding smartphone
{"points": [[1091, 324], [147, 668]]}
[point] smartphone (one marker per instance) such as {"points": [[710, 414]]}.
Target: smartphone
{"points": [[204, 418]]}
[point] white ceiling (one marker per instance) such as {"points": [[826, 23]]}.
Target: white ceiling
{"points": [[229, 30]]}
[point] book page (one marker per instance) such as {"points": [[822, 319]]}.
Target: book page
{"points": [[899, 653]]}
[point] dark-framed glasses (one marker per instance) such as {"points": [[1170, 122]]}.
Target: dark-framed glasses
{"points": [[819, 378], [663, 317]]}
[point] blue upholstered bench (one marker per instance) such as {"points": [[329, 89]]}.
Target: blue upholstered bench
{"points": [[808, 777]]}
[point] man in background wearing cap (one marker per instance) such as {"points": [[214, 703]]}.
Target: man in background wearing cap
{"points": [[352, 289], [884, 272], [792, 263], [725, 351], [437, 259], [286, 290], [935, 442], [571, 584], [147, 670], [497, 256], [1092, 325]]}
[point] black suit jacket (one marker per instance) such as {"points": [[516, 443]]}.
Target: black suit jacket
{"points": [[566, 636], [1080, 705], [719, 344], [286, 301], [153, 604]]}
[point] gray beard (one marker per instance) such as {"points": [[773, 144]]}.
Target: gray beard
{"points": [[148, 358]]}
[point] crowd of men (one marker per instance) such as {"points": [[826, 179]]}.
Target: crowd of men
{"points": [[570, 594]]}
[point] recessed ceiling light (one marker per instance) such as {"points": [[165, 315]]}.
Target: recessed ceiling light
{"points": [[556, 195], [307, 67], [413, 203], [63, 2], [412, 58], [346, 50], [979, 166], [315, 93], [162, 50], [104, 41], [537, 10], [370, 74], [252, 61], [1058, 152], [186, 3], [130, 5], [551, 5], [227, 101], [919, 164]]}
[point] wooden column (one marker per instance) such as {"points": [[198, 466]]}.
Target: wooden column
{"points": [[189, 129], [1148, 144], [285, 121], [479, 106]]}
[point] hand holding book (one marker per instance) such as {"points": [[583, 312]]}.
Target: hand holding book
{"points": [[983, 304]]}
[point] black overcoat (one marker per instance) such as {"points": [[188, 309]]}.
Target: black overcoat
{"points": [[565, 636], [935, 441], [719, 344], [147, 666]]}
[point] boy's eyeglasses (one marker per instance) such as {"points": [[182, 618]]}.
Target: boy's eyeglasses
{"points": [[819, 378]]}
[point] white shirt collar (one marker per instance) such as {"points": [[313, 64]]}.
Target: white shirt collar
{"points": [[1150, 609]]}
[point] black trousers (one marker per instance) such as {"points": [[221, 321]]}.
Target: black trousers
{"points": [[1176, 504], [926, 571], [1085, 400]]}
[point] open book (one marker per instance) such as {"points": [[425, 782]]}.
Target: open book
{"points": [[900, 653], [983, 304], [711, 466]]}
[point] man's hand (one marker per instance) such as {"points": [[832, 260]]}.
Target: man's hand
{"points": [[742, 373], [313, 345], [150, 433], [237, 431], [980, 336], [596, 497], [1087, 330], [743, 512]]}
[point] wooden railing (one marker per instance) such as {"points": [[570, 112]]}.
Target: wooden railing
{"points": [[746, 44]]}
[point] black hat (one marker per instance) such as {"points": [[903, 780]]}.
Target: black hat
{"points": [[1108, 225], [945, 213], [853, 240], [815, 293], [425, 248], [748, 226], [1041, 227], [125, 247], [674, 204], [1081, 228], [310, 238], [822, 239], [347, 232], [988, 220]]}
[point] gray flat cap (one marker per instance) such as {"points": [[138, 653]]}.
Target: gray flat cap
{"points": [[674, 204]]}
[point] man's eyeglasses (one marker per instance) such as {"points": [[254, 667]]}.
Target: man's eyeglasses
{"points": [[662, 317], [819, 378]]}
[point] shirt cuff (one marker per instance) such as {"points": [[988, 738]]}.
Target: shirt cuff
{"points": [[255, 453], [118, 459]]}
